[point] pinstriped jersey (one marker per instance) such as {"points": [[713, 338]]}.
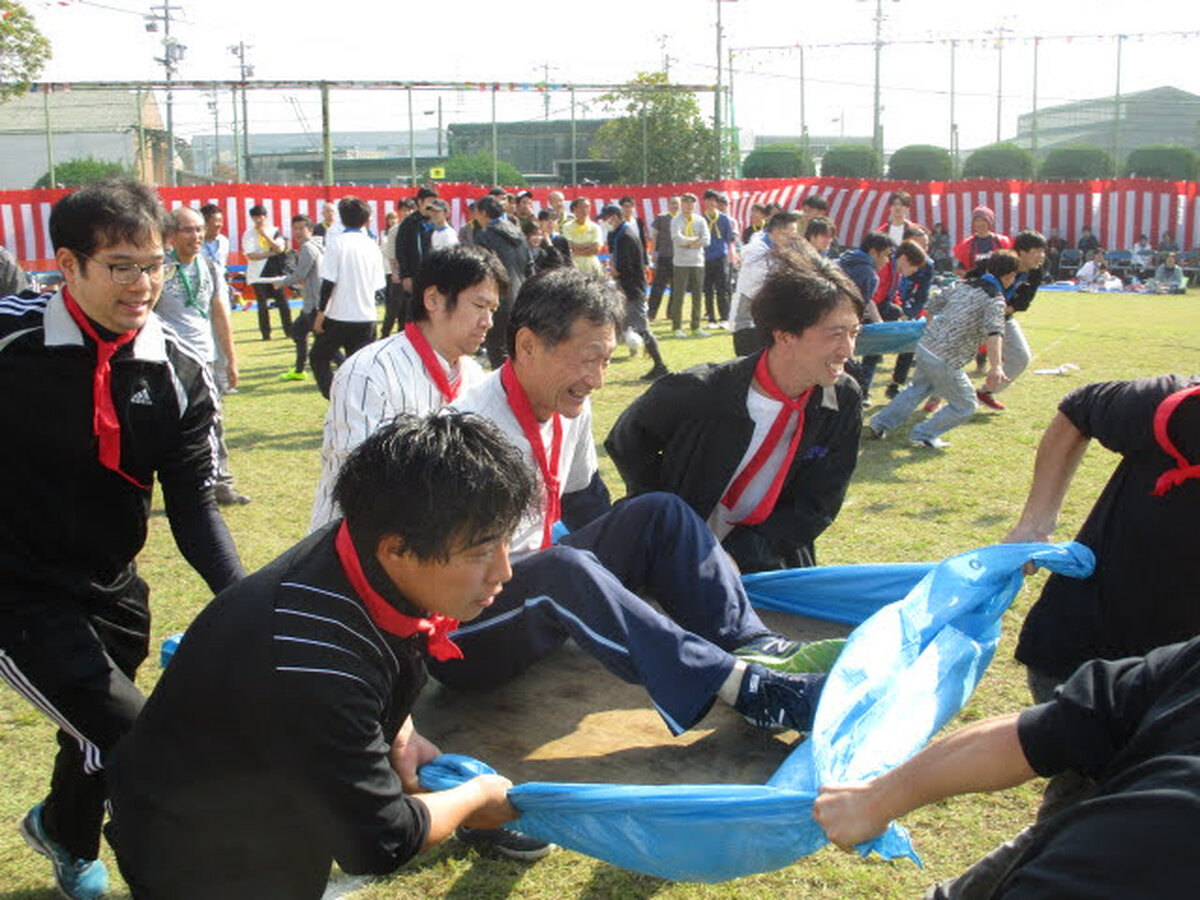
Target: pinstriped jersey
{"points": [[372, 387]]}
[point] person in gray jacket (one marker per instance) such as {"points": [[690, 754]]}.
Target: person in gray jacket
{"points": [[504, 239]]}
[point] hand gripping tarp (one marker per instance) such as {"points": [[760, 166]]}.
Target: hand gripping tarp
{"points": [[877, 338], [903, 674]]}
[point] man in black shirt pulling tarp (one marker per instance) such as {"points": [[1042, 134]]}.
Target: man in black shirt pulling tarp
{"points": [[279, 738]]}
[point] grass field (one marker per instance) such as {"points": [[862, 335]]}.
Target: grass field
{"points": [[904, 504]]}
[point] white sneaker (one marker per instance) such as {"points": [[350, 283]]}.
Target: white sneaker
{"points": [[681, 333], [933, 443], [634, 342], [700, 332]]}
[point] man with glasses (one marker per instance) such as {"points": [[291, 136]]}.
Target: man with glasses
{"points": [[107, 399], [195, 302]]}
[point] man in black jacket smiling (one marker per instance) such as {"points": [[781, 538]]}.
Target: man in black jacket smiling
{"points": [[761, 447]]}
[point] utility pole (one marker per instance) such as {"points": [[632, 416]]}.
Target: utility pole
{"points": [[546, 92], [213, 108], [1116, 123], [720, 173], [663, 39], [245, 71], [803, 116], [877, 130], [953, 121], [49, 139], [173, 52], [1033, 135], [999, 78]]}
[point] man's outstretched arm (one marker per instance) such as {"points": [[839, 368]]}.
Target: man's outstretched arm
{"points": [[983, 757], [1058, 457]]}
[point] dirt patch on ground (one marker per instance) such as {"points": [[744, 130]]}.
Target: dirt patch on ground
{"points": [[568, 719]]}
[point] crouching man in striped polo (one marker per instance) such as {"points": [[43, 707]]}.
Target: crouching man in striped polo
{"points": [[280, 737], [101, 398]]}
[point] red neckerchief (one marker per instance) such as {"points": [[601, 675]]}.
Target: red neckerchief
{"points": [[518, 402], [436, 628], [105, 424], [763, 376], [1184, 470], [433, 365]]}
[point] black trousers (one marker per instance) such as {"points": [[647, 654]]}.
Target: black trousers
{"points": [[716, 284], [348, 337], [496, 342], [266, 294], [74, 659], [664, 269], [396, 311]]}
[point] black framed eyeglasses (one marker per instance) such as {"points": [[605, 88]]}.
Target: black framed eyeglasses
{"points": [[127, 273]]}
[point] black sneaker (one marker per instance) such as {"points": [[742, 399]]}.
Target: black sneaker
{"points": [[778, 701], [508, 843], [891, 390]]}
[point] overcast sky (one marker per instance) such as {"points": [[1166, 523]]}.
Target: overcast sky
{"points": [[487, 40]]}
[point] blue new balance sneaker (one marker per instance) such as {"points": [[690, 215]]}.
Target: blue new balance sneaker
{"points": [[79, 879], [778, 701]]}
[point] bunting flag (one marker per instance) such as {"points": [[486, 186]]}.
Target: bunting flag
{"points": [[1117, 210]]}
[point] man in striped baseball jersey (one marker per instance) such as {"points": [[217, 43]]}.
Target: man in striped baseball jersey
{"points": [[107, 399], [417, 370]]}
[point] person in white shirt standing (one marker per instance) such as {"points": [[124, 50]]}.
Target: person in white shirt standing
{"points": [[417, 370], [351, 273], [262, 245]]}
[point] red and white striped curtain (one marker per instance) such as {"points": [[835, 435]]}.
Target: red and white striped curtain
{"points": [[1118, 210]]}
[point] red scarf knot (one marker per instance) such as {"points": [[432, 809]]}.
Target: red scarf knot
{"points": [[433, 365], [436, 627], [547, 463], [1183, 470], [765, 506], [105, 424]]}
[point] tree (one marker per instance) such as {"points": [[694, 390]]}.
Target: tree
{"points": [[1076, 164], [921, 162], [23, 49], [78, 172], [476, 168], [1002, 160], [851, 161], [660, 138], [1162, 161], [777, 161]]}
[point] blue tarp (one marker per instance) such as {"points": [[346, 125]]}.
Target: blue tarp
{"points": [[889, 337], [904, 673]]}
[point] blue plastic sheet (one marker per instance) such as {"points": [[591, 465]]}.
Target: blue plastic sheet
{"points": [[903, 674], [846, 594], [889, 337]]}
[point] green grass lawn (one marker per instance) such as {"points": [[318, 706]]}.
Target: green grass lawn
{"points": [[904, 504]]}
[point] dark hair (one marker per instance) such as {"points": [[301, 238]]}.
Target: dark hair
{"points": [[760, 207], [817, 225], [354, 212], [107, 213], [259, 210], [426, 192], [439, 483], [490, 206], [711, 194], [1002, 262], [1029, 240], [911, 231], [816, 201], [687, 195], [783, 219], [452, 270], [799, 290], [304, 220], [406, 203], [549, 303], [530, 226], [577, 201], [611, 210], [627, 199], [440, 204], [208, 210], [874, 241], [911, 251], [546, 215], [903, 196]]}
